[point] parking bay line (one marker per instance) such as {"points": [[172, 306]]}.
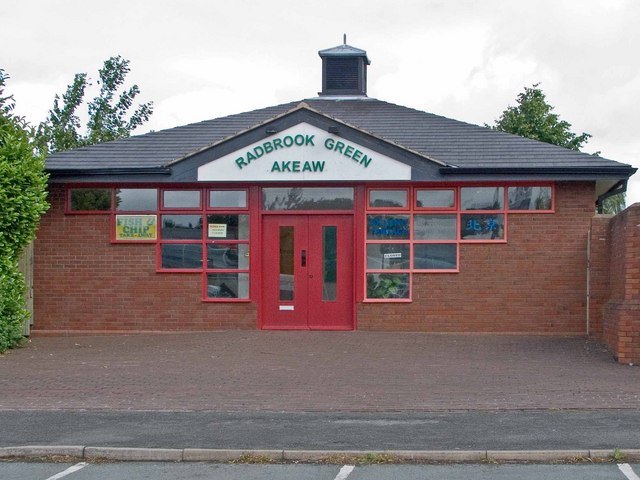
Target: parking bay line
{"points": [[628, 471], [69, 471], [344, 472]]}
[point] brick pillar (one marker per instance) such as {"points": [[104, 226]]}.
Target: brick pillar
{"points": [[599, 260], [622, 311]]}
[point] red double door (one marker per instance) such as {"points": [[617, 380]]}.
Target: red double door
{"points": [[307, 272]]}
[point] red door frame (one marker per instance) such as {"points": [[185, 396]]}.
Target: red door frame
{"points": [[308, 310]]}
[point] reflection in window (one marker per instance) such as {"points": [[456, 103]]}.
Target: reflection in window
{"points": [[227, 285], [435, 198], [287, 260], [181, 199], [435, 256], [228, 199], [330, 263], [388, 198], [136, 199], [307, 198], [90, 199], [182, 227], [228, 256], [435, 227], [181, 255], [482, 198], [529, 198]]}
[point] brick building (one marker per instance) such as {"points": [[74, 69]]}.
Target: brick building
{"points": [[336, 212]]}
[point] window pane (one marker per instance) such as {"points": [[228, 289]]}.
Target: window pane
{"points": [[387, 256], [228, 255], [229, 227], [90, 199], [482, 227], [140, 199], [227, 285], [182, 227], [228, 198], [435, 198], [435, 256], [181, 255], [435, 227], [287, 260], [329, 264], [307, 198], [181, 199], [387, 285], [529, 198], [482, 198], [388, 227], [387, 198]]}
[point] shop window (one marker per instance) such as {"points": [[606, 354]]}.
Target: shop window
{"points": [[227, 267], [181, 227], [227, 227], [227, 286], [136, 199], [89, 199], [530, 198], [435, 256], [482, 226], [435, 198], [181, 199], [435, 227], [307, 198], [181, 256], [388, 227], [227, 199], [388, 256], [482, 198], [388, 198], [388, 286]]}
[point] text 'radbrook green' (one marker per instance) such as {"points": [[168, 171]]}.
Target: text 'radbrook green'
{"points": [[300, 140]]}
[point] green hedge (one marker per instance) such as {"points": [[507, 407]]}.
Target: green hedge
{"points": [[22, 202]]}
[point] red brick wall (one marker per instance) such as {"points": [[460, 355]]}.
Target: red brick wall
{"points": [[536, 283], [621, 325], [82, 282]]}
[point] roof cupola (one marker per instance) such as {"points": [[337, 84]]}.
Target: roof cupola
{"points": [[344, 70]]}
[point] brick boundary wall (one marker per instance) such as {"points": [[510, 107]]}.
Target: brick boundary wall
{"points": [[620, 314]]}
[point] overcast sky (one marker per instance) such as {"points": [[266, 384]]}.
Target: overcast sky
{"points": [[464, 59]]}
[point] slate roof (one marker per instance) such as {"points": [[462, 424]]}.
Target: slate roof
{"points": [[452, 142]]}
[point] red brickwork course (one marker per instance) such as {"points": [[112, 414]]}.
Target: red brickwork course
{"points": [[622, 311], [535, 283]]}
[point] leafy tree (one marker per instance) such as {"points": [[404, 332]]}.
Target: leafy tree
{"points": [[23, 200], [533, 117], [109, 113]]}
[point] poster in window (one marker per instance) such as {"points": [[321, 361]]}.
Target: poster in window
{"points": [[136, 227]]}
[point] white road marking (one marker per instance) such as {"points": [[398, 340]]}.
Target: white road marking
{"points": [[344, 472], [69, 471], [628, 471]]}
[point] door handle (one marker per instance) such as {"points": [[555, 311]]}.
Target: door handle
{"points": [[303, 258]]}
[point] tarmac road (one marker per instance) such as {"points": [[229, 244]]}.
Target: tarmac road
{"points": [[467, 430]]}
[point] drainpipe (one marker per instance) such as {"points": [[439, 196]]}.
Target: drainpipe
{"points": [[588, 279]]}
